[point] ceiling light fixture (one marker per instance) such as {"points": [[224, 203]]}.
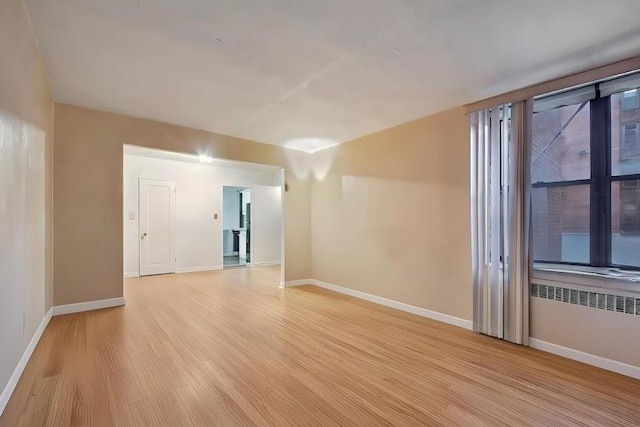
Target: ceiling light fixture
{"points": [[205, 159], [310, 145]]}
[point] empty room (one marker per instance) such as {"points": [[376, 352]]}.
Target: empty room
{"points": [[327, 213]]}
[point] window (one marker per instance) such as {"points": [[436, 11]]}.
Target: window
{"points": [[585, 170], [629, 146], [561, 223], [625, 237], [560, 173], [629, 99], [561, 144]]}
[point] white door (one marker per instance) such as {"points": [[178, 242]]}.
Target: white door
{"points": [[157, 227]]}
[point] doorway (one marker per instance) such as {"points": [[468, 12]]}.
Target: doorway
{"points": [[157, 227], [197, 213], [236, 231]]}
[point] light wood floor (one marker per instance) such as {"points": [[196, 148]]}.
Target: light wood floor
{"points": [[229, 348]]}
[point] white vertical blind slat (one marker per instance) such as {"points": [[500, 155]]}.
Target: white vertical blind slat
{"points": [[499, 197]]}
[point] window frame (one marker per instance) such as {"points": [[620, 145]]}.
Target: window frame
{"points": [[600, 243]]}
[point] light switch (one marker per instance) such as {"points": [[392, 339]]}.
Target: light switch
{"points": [[215, 216], [132, 216]]}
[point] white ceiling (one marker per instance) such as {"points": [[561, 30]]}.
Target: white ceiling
{"points": [[311, 73]]}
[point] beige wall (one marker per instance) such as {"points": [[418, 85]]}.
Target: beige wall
{"points": [[390, 217], [88, 194], [602, 333], [390, 214], [25, 103]]}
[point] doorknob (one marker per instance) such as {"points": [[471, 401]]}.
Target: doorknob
{"points": [[143, 235]]}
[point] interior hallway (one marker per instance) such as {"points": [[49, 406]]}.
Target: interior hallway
{"points": [[231, 348]]}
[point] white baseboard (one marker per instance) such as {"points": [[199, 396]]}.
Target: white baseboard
{"points": [[265, 263], [198, 269], [59, 310], [17, 372], [423, 312], [589, 359], [131, 274], [292, 283], [430, 314]]}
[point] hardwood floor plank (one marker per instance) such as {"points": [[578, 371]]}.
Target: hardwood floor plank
{"points": [[38, 404], [230, 348]]}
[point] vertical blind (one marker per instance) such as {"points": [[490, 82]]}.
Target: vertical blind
{"points": [[500, 203]]}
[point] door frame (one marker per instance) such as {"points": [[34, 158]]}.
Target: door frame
{"points": [[251, 240], [172, 226], [251, 230]]}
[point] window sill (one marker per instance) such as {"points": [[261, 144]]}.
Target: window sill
{"points": [[596, 277]]}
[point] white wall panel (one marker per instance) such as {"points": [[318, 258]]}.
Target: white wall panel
{"points": [[267, 223]]}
